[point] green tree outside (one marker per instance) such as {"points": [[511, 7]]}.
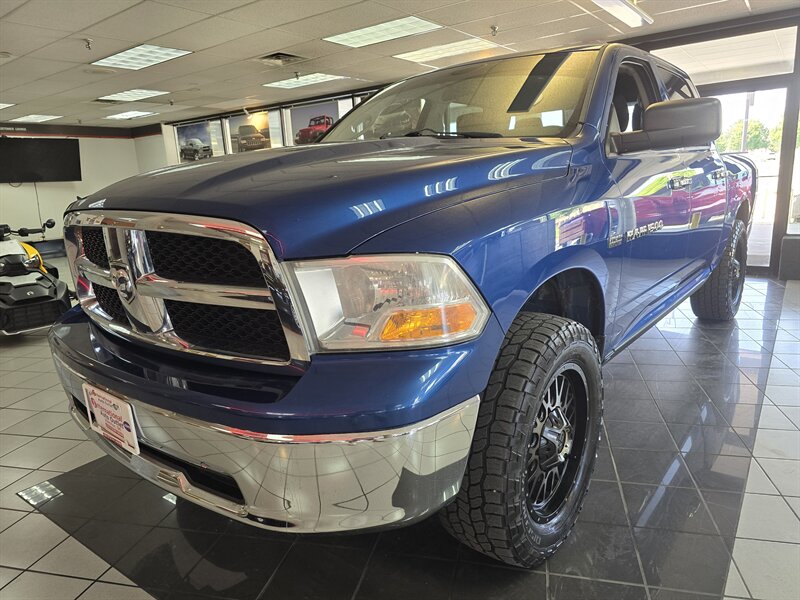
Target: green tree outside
{"points": [[775, 137], [758, 136]]}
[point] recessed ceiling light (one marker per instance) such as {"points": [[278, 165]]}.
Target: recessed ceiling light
{"points": [[131, 114], [310, 79], [36, 118], [382, 32], [140, 57], [445, 50], [133, 95], [4, 105], [626, 12]]}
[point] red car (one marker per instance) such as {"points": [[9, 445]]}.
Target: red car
{"points": [[316, 127]]}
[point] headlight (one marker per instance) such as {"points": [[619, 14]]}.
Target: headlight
{"points": [[391, 301]]}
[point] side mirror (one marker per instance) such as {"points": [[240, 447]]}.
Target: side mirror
{"points": [[674, 124]]}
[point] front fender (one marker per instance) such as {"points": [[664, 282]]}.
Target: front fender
{"points": [[510, 243]]}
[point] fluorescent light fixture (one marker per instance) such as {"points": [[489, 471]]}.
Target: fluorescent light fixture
{"points": [[36, 118], [133, 95], [310, 79], [4, 105], [140, 57], [391, 30], [445, 50], [131, 114], [625, 11]]}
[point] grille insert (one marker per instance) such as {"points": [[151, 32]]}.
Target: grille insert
{"points": [[230, 329], [94, 246], [203, 260], [109, 301]]}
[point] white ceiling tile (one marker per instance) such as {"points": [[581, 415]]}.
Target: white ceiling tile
{"points": [[73, 49], [145, 21], [32, 68], [555, 16], [416, 7], [205, 34], [270, 13], [43, 87], [257, 44], [417, 42], [21, 39], [6, 6], [210, 7], [67, 16], [342, 20]]}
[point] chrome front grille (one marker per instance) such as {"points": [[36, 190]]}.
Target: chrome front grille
{"points": [[195, 284]]}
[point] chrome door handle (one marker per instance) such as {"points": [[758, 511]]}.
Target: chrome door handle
{"points": [[680, 183]]}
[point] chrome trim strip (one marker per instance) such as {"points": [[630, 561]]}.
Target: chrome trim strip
{"points": [[203, 293], [303, 483], [22, 331], [142, 292]]}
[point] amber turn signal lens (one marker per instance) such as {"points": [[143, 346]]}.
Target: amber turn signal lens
{"points": [[429, 322]]}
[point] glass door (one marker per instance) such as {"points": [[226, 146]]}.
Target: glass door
{"points": [[794, 204], [752, 124]]}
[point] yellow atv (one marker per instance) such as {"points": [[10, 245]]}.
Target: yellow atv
{"points": [[31, 295]]}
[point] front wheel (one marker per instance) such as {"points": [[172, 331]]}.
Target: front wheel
{"points": [[721, 294], [535, 443]]}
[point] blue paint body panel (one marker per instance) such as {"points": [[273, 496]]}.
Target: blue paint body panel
{"points": [[512, 212]]}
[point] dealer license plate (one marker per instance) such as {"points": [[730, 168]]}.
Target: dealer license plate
{"points": [[111, 417]]}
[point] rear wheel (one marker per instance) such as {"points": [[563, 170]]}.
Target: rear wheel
{"points": [[721, 294], [535, 443]]}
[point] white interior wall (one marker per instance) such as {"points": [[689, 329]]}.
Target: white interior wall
{"points": [[103, 162]]}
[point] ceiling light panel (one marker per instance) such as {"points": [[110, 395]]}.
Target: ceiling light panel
{"points": [[36, 118], [4, 105], [625, 11], [383, 32], [132, 95], [444, 50], [311, 79], [140, 57], [131, 114]]}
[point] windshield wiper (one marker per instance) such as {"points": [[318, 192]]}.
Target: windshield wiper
{"points": [[445, 134]]}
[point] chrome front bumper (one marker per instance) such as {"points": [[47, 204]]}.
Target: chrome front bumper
{"points": [[304, 483]]}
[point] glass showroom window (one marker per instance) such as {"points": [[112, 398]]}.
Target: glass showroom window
{"points": [[752, 125], [794, 206]]}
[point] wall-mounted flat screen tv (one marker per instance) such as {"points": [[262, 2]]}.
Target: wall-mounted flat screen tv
{"points": [[24, 160]]}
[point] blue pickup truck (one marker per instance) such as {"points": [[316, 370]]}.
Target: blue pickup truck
{"points": [[411, 315]]}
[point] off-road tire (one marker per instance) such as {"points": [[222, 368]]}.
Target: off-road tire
{"points": [[721, 294], [490, 513]]}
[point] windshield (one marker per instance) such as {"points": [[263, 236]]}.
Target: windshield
{"points": [[247, 129], [317, 121], [526, 96]]}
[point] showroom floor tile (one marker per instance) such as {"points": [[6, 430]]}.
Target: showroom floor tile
{"points": [[696, 493]]}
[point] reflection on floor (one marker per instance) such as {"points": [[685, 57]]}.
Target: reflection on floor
{"points": [[696, 494]]}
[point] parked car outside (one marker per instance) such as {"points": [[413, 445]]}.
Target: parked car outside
{"points": [[410, 316]]}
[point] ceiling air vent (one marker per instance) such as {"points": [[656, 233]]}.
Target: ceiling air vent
{"points": [[280, 59], [101, 101]]}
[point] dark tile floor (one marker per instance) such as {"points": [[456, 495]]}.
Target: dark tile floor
{"points": [[696, 494]]}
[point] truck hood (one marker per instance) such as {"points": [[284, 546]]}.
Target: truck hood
{"points": [[326, 199]]}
